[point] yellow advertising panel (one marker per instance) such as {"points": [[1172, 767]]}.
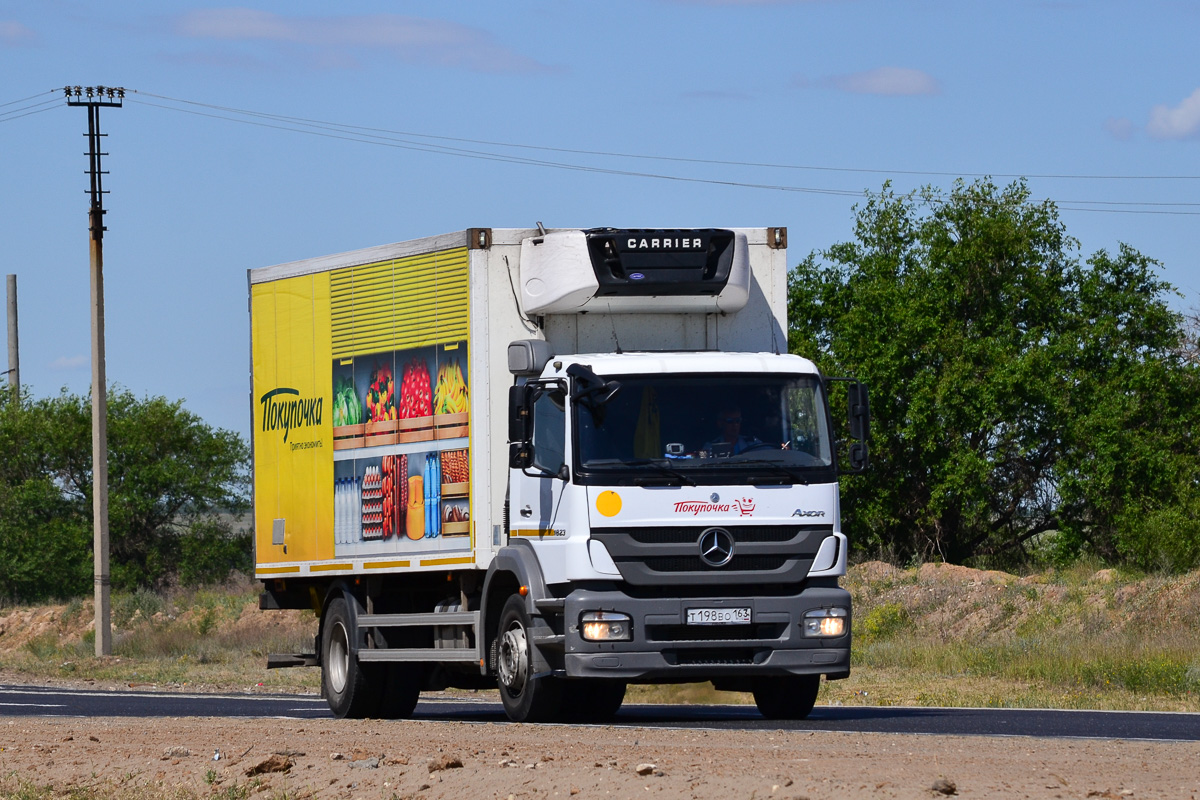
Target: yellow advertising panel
{"points": [[362, 418], [293, 431]]}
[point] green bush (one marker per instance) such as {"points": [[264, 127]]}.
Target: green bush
{"points": [[1164, 539], [880, 623]]}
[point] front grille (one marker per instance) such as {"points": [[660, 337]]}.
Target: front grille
{"points": [[724, 656], [670, 555], [696, 564], [714, 633]]}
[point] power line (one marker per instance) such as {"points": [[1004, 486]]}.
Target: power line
{"points": [[485, 156], [715, 162], [1131, 211], [429, 143], [25, 111], [31, 97], [384, 137]]}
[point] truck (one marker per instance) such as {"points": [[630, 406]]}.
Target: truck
{"points": [[553, 463]]}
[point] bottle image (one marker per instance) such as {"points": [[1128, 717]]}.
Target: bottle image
{"points": [[355, 532], [337, 511], [344, 533]]}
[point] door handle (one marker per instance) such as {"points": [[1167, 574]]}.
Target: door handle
{"points": [[526, 512]]}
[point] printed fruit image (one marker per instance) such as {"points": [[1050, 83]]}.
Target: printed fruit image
{"points": [[381, 402], [416, 398], [451, 396]]}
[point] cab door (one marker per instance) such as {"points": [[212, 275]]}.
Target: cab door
{"points": [[537, 489]]}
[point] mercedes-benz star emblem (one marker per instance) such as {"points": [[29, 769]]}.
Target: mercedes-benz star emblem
{"points": [[716, 547]]}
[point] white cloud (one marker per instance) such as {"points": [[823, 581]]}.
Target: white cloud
{"points": [[887, 81], [69, 362], [336, 40], [1180, 122], [1120, 127], [13, 34]]}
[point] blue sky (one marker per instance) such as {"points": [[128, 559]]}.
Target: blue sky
{"points": [[836, 95]]}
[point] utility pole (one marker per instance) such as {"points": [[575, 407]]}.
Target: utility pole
{"points": [[93, 98], [14, 353]]}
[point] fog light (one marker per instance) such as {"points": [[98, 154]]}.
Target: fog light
{"points": [[606, 626], [825, 622]]}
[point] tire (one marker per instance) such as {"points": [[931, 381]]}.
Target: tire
{"points": [[787, 697], [401, 691], [525, 698], [591, 700], [348, 688]]}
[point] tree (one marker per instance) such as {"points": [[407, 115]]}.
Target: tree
{"points": [[1016, 390], [44, 540], [177, 491]]}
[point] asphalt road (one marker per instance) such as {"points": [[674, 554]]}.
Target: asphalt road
{"points": [[16, 701]]}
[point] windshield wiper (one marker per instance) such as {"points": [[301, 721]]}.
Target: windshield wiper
{"points": [[780, 469], [662, 468]]}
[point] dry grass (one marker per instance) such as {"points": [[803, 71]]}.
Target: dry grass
{"points": [[937, 635], [214, 639]]}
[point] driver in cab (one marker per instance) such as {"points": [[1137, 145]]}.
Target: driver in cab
{"points": [[730, 442]]}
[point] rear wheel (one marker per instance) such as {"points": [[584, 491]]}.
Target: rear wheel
{"points": [[786, 697], [526, 698], [347, 687], [592, 700], [402, 690]]}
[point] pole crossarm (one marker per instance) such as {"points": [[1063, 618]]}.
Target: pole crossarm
{"points": [[93, 98], [95, 95]]}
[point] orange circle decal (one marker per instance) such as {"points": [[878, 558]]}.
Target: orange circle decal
{"points": [[609, 504]]}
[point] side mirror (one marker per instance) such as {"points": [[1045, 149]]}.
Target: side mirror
{"points": [[860, 411], [520, 427], [858, 457], [589, 388], [858, 407], [860, 426], [520, 414], [520, 455]]}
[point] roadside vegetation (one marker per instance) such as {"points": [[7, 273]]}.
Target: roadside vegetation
{"points": [[200, 639], [1035, 419], [1031, 404], [179, 491], [934, 635]]}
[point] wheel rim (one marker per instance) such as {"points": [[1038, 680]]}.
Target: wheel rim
{"points": [[338, 660], [513, 658]]}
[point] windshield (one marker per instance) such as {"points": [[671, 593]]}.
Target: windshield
{"points": [[681, 427]]}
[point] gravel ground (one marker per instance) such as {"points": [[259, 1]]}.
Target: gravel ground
{"points": [[273, 758]]}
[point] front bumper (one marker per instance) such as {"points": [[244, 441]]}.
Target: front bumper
{"points": [[664, 648]]}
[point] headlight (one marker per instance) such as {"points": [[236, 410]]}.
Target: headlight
{"points": [[606, 626], [825, 622]]}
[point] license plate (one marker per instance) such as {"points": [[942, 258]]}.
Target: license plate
{"points": [[718, 616]]}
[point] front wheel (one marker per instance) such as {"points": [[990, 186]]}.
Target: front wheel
{"points": [[592, 700], [526, 697], [786, 697]]}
